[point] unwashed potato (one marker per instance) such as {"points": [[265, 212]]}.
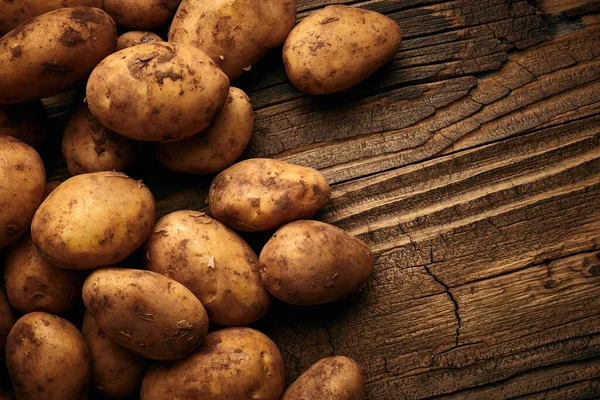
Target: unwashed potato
{"points": [[311, 262], [235, 33], [260, 194], [216, 147], [47, 359], [332, 378], [22, 181], [33, 284], [135, 38], [146, 312], [116, 371], [88, 146], [26, 122], [337, 47], [7, 318], [232, 363], [141, 14], [157, 91], [53, 52], [213, 262], [93, 220]]}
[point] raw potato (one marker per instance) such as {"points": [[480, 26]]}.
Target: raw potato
{"points": [[141, 14], [33, 284], [135, 38], [47, 359], [93, 220], [53, 52], [26, 122], [116, 371], [216, 147], [157, 91], [235, 33], [88, 146], [260, 194], [337, 47], [22, 181], [7, 318], [213, 262], [332, 378], [311, 262], [146, 312], [232, 363]]}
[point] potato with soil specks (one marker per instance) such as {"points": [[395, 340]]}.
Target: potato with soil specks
{"points": [[260, 194], [26, 122], [232, 363], [311, 262], [93, 220], [337, 47], [135, 38], [141, 14], [157, 92], [47, 359], [7, 318], [53, 52]]}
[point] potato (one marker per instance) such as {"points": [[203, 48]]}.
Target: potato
{"points": [[232, 363], [116, 371], [311, 262], [157, 91], [22, 181], [216, 147], [33, 284], [47, 359], [213, 262], [26, 122], [135, 38], [260, 194], [235, 33], [146, 312], [333, 378], [93, 220], [337, 47], [88, 146], [141, 14], [53, 52], [7, 318]]}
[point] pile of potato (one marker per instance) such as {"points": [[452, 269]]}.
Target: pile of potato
{"points": [[173, 328]]}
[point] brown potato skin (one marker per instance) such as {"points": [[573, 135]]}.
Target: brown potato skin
{"points": [[116, 371], [157, 91], [7, 318], [26, 122], [93, 220], [47, 359], [311, 262], [240, 363], [216, 147], [146, 312], [235, 33], [337, 47], [22, 179], [135, 38], [213, 262], [334, 378], [141, 14], [260, 194], [53, 52], [87, 146]]}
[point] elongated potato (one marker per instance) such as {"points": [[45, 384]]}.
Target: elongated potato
{"points": [[146, 312], [157, 91], [260, 194], [47, 359], [135, 38], [93, 220], [26, 122], [53, 52], [232, 363], [7, 318], [141, 14], [311, 262], [337, 47], [235, 33]]}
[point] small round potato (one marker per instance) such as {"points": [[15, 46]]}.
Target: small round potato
{"points": [[333, 378], [146, 312], [260, 194], [93, 220], [213, 262], [47, 359], [26, 122], [337, 47], [135, 38], [7, 318], [232, 363], [311, 262], [116, 371], [141, 14], [22, 182], [88, 146], [216, 147]]}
